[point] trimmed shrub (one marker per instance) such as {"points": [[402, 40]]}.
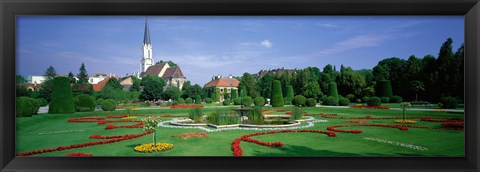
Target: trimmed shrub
{"points": [[42, 102], [343, 101], [374, 101], [286, 101], [449, 102], [243, 91], [234, 94], [237, 101], [247, 101], [198, 99], [259, 101], [323, 99], [277, 96], [208, 100], [299, 100], [180, 100], [385, 99], [351, 97], [189, 100], [365, 99], [84, 103], [100, 101], [332, 90], [396, 99], [62, 98], [289, 96], [108, 105], [196, 114], [331, 101], [226, 102], [26, 107], [311, 102], [384, 89]]}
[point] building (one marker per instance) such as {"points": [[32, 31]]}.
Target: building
{"points": [[279, 71], [126, 82], [36, 79], [99, 86], [224, 84], [172, 75]]}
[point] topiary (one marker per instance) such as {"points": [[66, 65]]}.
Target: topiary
{"points": [[198, 99], [343, 101], [299, 100], [84, 103], [323, 99], [42, 102], [247, 101], [277, 97], [449, 102], [396, 99], [286, 101], [384, 89], [289, 97], [100, 101], [226, 102], [385, 99], [188, 100], [208, 100], [180, 100], [311, 102], [62, 98], [26, 107], [237, 101], [374, 101], [331, 101], [332, 90], [365, 99], [259, 101], [108, 105]]}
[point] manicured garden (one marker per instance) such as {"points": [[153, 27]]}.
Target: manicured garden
{"points": [[346, 132]]}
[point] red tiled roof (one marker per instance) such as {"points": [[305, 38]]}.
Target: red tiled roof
{"points": [[223, 82], [101, 84]]}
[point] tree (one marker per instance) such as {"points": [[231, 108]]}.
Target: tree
{"points": [[20, 79], [150, 125], [234, 94], [82, 75], [416, 86], [135, 84], [82, 85], [46, 88], [460, 74], [404, 106], [171, 92], [248, 82], [243, 92], [265, 85], [311, 90], [350, 82], [289, 95], [192, 91], [170, 63], [62, 98], [277, 97], [72, 77], [198, 99], [50, 73], [113, 83], [152, 87]]}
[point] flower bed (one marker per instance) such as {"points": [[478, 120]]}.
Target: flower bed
{"points": [[237, 150], [411, 146], [405, 121], [148, 148], [187, 106], [333, 128], [454, 125], [189, 135], [332, 116], [370, 107], [79, 154], [123, 116]]}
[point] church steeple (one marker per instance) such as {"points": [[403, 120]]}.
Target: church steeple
{"points": [[146, 36], [147, 59]]}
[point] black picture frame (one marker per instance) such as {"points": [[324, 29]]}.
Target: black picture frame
{"points": [[9, 9]]}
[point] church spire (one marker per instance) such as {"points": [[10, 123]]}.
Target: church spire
{"points": [[146, 36]]}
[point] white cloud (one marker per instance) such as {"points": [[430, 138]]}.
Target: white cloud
{"points": [[328, 25], [267, 44], [356, 42]]}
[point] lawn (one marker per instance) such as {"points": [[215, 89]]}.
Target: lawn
{"points": [[45, 131]]}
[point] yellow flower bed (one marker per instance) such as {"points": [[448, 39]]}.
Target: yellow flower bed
{"points": [[440, 110], [131, 117], [148, 148], [405, 121]]}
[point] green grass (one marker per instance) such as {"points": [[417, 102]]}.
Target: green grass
{"points": [[31, 136]]}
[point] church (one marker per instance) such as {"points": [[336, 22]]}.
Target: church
{"points": [[172, 75]]}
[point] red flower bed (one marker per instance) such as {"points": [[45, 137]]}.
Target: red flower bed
{"points": [[237, 150], [454, 125], [123, 116], [74, 146], [186, 106], [441, 119], [333, 128], [79, 154], [332, 116], [280, 110], [370, 107]]}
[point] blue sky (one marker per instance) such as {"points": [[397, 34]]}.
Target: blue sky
{"points": [[204, 46]]}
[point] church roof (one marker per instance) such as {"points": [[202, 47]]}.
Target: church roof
{"points": [[173, 72], [223, 82], [146, 36], [101, 84], [154, 70]]}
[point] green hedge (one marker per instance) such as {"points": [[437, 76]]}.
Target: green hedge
{"points": [[374, 101], [396, 99], [331, 101], [84, 103], [180, 100], [247, 101], [449, 102], [188, 100], [198, 99], [42, 102], [226, 102], [26, 107], [277, 96], [332, 90], [343, 101], [290, 95], [259, 101], [100, 101], [311, 102], [208, 100], [384, 89], [299, 100], [108, 105], [62, 98], [385, 99]]}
